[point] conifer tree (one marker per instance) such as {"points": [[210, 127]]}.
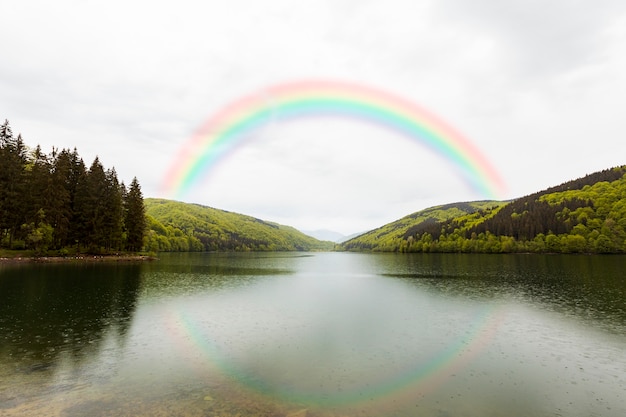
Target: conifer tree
{"points": [[135, 220], [89, 210], [13, 160], [39, 196], [78, 195], [60, 215], [113, 216]]}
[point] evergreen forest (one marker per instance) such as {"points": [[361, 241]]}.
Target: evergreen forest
{"points": [[52, 203]]}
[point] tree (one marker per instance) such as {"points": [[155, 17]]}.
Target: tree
{"points": [[13, 160], [90, 208], [135, 219], [76, 179], [60, 210], [39, 194], [38, 234], [112, 221]]}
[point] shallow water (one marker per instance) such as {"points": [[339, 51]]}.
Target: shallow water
{"points": [[335, 334]]}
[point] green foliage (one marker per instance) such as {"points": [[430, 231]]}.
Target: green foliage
{"points": [[175, 226], [38, 236], [586, 215], [414, 233]]}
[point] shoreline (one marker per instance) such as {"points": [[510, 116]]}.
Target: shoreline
{"points": [[77, 258]]}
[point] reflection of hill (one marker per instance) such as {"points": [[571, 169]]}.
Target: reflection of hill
{"points": [[193, 273], [51, 312], [589, 288]]}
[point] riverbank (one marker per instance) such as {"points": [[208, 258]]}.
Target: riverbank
{"points": [[78, 258]]}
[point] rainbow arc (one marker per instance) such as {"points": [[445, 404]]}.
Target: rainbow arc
{"points": [[232, 125]]}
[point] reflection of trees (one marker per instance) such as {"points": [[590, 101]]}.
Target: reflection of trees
{"points": [[590, 287], [53, 311]]}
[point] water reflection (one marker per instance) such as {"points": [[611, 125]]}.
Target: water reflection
{"points": [[339, 334], [187, 274], [50, 313], [587, 288]]}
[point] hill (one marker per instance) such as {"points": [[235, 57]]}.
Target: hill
{"points": [[586, 215], [175, 226], [393, 236]]}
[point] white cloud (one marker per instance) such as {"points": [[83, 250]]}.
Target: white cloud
{"points": [[537, 86]]}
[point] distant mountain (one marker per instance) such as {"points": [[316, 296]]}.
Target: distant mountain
{"points": [[586, 215], [330, 236], [352, 236], [324, 234], [175, 226]]}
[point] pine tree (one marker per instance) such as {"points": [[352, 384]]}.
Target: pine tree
{"points": [[40, 194], [6, 134], [135, 219], [60, 215], [13, 160], [112, 221], [77, 181], [89, 207]]}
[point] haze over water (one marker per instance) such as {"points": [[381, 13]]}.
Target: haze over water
{"points": [[337, 334]]}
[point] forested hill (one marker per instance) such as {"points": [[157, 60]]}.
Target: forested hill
{"points": [[175, 226], [586, 215], [393, 237]]}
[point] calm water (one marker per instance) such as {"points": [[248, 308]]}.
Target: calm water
{"points": [[335, 334]]}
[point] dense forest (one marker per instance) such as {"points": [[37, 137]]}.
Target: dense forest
{"points": [[181, 227], [52, 202], [586, 215]]}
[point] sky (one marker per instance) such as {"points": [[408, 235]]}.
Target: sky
{"points": [[538, 86]]}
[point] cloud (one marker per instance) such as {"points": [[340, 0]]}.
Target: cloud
{"points": [[328, 169], [539, 38], [537, 86]]}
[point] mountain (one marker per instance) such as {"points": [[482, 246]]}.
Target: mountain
{"points": [[586, 215], [175, 226], [352, 236], [329, 235], [324, 234]]}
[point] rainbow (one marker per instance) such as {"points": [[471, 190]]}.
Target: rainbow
{"points": [[229, 128]]}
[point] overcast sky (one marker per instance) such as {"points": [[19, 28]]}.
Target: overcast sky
{"points": [[539, 86]]}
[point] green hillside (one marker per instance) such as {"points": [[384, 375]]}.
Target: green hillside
{"points": [[586, 215], [174, 226], [393, 237]]}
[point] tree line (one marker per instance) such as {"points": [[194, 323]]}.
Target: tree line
{"points": [[53, 202]]}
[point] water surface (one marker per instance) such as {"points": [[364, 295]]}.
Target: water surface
{"points": [[336, 334]]}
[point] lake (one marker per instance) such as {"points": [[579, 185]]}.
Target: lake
{"points": [[316, 335]]}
